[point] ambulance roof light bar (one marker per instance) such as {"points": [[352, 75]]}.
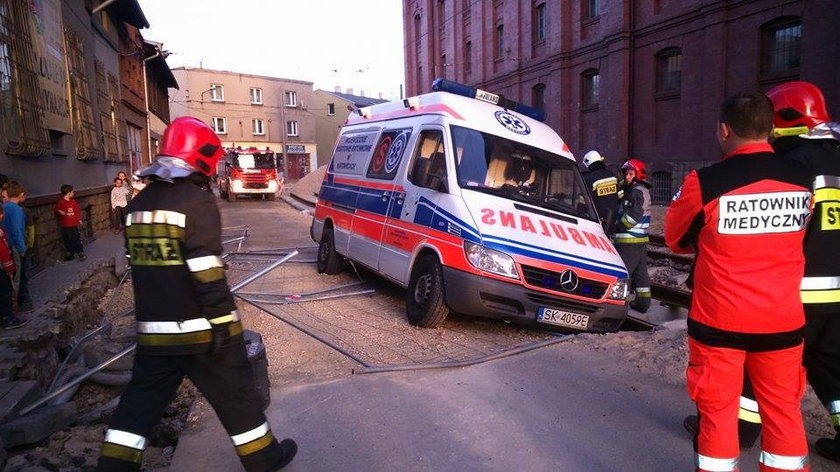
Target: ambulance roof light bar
{"points": [[443, 85]]}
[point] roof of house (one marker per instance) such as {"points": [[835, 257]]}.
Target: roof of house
{"points": [[357, 100]]}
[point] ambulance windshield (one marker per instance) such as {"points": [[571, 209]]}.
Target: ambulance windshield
{"points": [[499, 166]]}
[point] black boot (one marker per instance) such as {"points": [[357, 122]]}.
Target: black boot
{"points": [[640, 304], [829, 448], [289, 448]]}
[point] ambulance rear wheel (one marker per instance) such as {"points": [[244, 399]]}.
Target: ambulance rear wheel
{"points": [[329, 261], [424, 300]]}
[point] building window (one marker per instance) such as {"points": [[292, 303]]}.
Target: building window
{"points": [[591, 83], [539, 23], [219, 125], [256, 96], [661, 192], [467, 59], [668, 71], [258, 127], [538, 97], [291, 99], [592, 9], [292, 128], [780, 48], [443, 65], [500, 42], [330, 109], [217, 93]]}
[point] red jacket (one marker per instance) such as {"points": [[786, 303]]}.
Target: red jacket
{"points": [[745, 218], [72, 215], [6, 255]]}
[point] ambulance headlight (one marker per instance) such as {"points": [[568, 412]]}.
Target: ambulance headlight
{"points": [[490, 260], [619, 290]]}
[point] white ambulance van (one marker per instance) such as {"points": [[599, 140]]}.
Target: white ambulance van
{"points": [[474, 206]]}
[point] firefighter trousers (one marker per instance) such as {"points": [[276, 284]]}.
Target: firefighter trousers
{"points": [[714, 378], [224, 378], [822, 367], [635, 259]]}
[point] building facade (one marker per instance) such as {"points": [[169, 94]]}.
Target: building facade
{"points": [[249, 110], [629, 78], [69, 92], [331, 110]]}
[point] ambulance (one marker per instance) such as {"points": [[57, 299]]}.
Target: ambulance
{"points": [[475, 206]]}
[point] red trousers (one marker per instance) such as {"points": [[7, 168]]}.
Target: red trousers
{"points": [[715, 376]]}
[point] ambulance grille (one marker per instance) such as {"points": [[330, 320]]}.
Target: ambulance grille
{"points": [[551, 280]]}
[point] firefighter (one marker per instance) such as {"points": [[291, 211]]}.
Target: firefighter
{"points": [[604, 187], [187, 323], [631, 234], [745, 219]]}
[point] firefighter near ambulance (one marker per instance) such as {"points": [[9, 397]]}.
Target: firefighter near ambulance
{"points": [[631, 230], [603, 185], [804, 132], [187, 323]]}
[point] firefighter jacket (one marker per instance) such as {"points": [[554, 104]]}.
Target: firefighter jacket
{"points": [[633, 217], [821, 284], [173, 242], [604, 187], [745, 218]]}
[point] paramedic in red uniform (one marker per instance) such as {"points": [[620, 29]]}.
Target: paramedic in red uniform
{"points": [[187, 323], [745, 219]]}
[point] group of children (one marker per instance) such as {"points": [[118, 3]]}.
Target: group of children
{"points": [[17, 235]]}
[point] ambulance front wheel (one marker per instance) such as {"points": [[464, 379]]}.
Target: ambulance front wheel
{"points": [[329, 261], [425, 304]]}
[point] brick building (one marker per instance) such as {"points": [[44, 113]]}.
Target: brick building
{"points": [[252, 110], [626, 77]]}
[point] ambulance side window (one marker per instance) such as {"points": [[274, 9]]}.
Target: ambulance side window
{"points": [[428, 167]]}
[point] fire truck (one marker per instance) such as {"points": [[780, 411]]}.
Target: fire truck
{"points": [[247, 171]]}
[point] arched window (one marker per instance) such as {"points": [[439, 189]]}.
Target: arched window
{"points": [[539, 23], [668, 71], [590, 85], [781, 47], [467, 59]]}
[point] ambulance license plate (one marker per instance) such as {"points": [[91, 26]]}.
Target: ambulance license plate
{"points": [[562, 318]]}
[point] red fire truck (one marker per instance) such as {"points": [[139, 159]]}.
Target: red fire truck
{"points": [[248, 171]]}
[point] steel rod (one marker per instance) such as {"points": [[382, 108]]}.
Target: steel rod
{"points": [[331, 289], [77, 380], [444, 365], [327, 297]]}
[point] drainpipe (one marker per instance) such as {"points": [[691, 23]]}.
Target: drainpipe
{"points": [[148, 111], [102, 6], [631, 66]]}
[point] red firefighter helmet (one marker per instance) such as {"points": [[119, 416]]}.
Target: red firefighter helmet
{"points": [[797, 104], [191, 140], [638, 166]]}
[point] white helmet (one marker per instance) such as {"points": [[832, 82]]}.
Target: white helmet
{"points": [[592, 157]]}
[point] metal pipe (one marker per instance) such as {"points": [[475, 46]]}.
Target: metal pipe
{"points": [[307, 332], [102, 6], [316, 292], [131, 348], [77, 380], [327, 297], [240, 238], [443, 365]]}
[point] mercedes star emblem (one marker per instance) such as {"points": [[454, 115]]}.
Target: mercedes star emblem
{"points": [[569, 280]]}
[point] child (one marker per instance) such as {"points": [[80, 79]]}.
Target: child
{"points": [[69, 219], [14, 225], [119, 200], [7, 315]]}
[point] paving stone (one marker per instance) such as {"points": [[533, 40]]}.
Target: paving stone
{"points": [[38, 424]]}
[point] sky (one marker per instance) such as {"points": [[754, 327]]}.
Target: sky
{"points": [[354, 44]]}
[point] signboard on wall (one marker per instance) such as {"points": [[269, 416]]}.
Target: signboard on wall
{"points": [[48, 46], [295, 149]]}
